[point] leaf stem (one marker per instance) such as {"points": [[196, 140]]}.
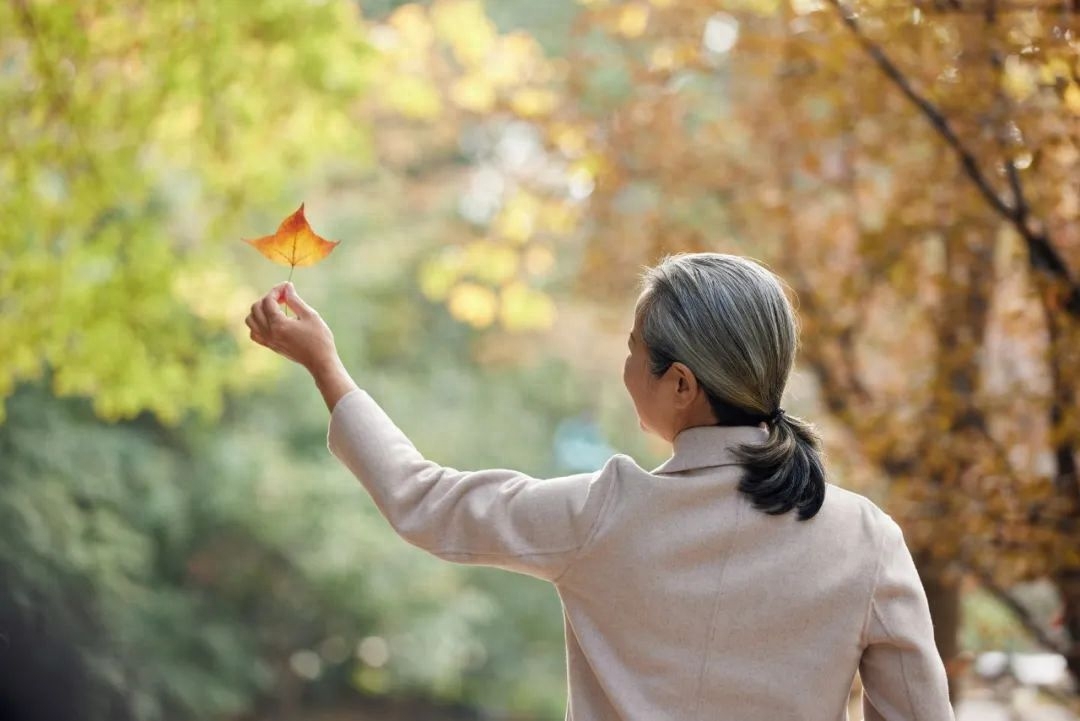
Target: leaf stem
{"points": [[289, 280]]}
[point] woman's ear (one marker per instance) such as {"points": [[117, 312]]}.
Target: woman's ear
{"points": [[685, 385]]}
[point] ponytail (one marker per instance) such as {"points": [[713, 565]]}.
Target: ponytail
{"points": [[786, 471]]}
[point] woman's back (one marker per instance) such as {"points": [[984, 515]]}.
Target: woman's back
{"points": [[682, 601], [688, 603]]}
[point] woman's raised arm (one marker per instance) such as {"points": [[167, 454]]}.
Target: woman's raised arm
{"points": [[494, 517]]}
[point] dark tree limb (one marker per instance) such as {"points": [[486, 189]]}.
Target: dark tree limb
{"points": [[1042, 255], [928, 109], [996, 8], [1021, 612]]}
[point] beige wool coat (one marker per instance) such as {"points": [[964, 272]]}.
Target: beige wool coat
{"points": [[680, 600]]}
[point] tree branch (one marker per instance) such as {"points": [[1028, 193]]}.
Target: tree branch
{"points": [[1042, 255], [1063, 392], [997, 8], [1019, 611], [935, 116]]}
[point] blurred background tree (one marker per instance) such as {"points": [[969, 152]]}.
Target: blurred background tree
{"points": [[133, 136], [176, 541]]}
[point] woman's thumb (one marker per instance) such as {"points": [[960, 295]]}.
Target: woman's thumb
{"points": [[295, 302]]}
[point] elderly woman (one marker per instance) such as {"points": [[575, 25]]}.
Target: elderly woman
{"points": [[732, 582]]}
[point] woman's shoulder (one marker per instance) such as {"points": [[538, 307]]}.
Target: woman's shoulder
{"points": [[621, 466], [853, 501], [855, 511]]}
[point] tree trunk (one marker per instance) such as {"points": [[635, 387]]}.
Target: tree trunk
{"points": [[943, 596], [1068, 584]]}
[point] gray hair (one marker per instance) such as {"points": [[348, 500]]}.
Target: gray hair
{"points": [[729, 321]]}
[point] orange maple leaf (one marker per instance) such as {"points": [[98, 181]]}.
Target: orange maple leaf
{"points": [[294, 243]]}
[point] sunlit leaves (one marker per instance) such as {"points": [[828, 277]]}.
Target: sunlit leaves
{"points": [[517, 306], [493, 263], [757, 7], [136, 135], [524, 308], [413, 97], [1071, 98], [450, 53], [466, 27], [473, 304], [518, 218], [633, 19], [538, 261], [410, 28], [509, 265], [533, 102], [568, 138], [518, 60], [1019, 78], [474, 93], [451, 66], [485, 282]]}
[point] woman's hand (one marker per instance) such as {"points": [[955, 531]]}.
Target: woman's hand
{"points": [[305, 339]]}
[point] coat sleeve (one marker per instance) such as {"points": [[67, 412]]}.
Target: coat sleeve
{"points": [[902, 673], [496, 518]]}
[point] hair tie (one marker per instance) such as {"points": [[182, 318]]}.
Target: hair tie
{"points": [[777, 415]]}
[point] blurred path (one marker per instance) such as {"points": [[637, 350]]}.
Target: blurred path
{"points": [[1024, 709]]}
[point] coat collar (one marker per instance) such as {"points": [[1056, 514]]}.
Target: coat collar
{"points": [[709, 446]]}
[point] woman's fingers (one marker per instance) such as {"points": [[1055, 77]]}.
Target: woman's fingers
{"points": [[270, 310], [259, 317], [306, 339], [256, 333]]}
